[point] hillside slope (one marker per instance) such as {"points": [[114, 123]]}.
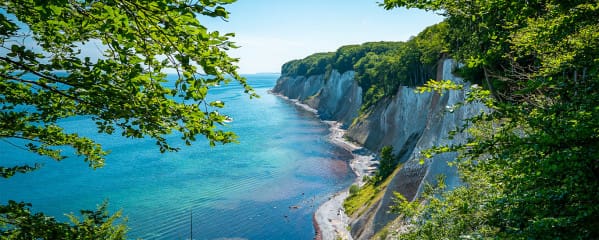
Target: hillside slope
{"points": [[408, 121]]}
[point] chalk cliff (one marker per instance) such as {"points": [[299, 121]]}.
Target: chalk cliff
{"points": [[336, 97], [408, 121]]}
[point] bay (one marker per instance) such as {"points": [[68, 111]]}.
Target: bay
{"points": [[266, 187]]}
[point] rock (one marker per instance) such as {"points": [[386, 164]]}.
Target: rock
{"points": [[408, 121]]}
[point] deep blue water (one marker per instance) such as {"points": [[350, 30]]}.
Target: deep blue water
{"points": [[233, 191]]}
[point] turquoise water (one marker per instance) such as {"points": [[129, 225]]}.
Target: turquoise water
{"points": [[240, 191]]}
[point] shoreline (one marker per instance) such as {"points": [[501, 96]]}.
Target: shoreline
{"points": [[330, 216], [330, 221]]}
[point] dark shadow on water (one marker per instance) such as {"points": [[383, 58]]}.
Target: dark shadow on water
{"points": [[361, 151]]}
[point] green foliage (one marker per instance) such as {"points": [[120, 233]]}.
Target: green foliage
{"points": [[347, 56], [387, 165], [125, 90], [409, 63], [382, 235], [6, 172], [17, 222], [438, 86], [381, 67], [361, 199], [314, 64], [46, 75], [353, 190], [530, 165], [447, 215]]}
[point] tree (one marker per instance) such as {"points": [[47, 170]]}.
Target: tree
{"points": [[17, 222], [123, 90], [387, 165], [531, 166], [47, 73]]}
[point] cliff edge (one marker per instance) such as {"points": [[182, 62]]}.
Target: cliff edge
{"points": [[408, 121]]}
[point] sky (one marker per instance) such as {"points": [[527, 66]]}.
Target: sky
{"points": [[271, 32]]}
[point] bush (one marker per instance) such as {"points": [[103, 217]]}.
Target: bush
{"points": [[353, 190], [387, 164]]}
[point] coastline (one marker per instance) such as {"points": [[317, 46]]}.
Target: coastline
{"points": [[330, 221]]}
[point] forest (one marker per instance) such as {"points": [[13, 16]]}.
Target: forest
{"points": [[381, 67], [530, 166]]}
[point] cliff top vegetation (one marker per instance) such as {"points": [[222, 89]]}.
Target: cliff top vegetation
{"points": [[531, 165], [381, 67]]}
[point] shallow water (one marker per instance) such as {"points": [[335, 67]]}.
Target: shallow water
{"points": [[244, 190]]}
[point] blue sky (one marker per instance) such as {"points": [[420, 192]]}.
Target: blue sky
{"points": [[271, 33]]}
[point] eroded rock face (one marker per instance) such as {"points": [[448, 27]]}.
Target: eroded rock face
{"points": [[411, 123], [398, 121], [338, 97], [408, 121], [299, 87]]}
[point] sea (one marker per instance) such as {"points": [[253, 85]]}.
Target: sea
{"points": [[267, 186]]}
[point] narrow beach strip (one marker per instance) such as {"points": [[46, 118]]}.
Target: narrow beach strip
{"points": [[330, 216], [330, 220]]}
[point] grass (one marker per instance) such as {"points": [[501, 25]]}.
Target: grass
{"points": [[361, 199], [383, 234], [369, 193]]}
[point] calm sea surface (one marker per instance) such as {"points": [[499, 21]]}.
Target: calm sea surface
{"points": [[266, 187]]}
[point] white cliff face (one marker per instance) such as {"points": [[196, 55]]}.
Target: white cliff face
{"points": [[336, 98], [408, 121], [398, 121], [438, 134], [412, 122], [299, 87]]}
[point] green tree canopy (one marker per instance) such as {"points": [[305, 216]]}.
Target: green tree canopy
{"points": [[531, 165], [18, 222], [48, 73], [381, 67], [46, 76]]}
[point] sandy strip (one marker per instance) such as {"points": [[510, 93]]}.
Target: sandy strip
{"points": [[330, 220], [330, 217]]}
